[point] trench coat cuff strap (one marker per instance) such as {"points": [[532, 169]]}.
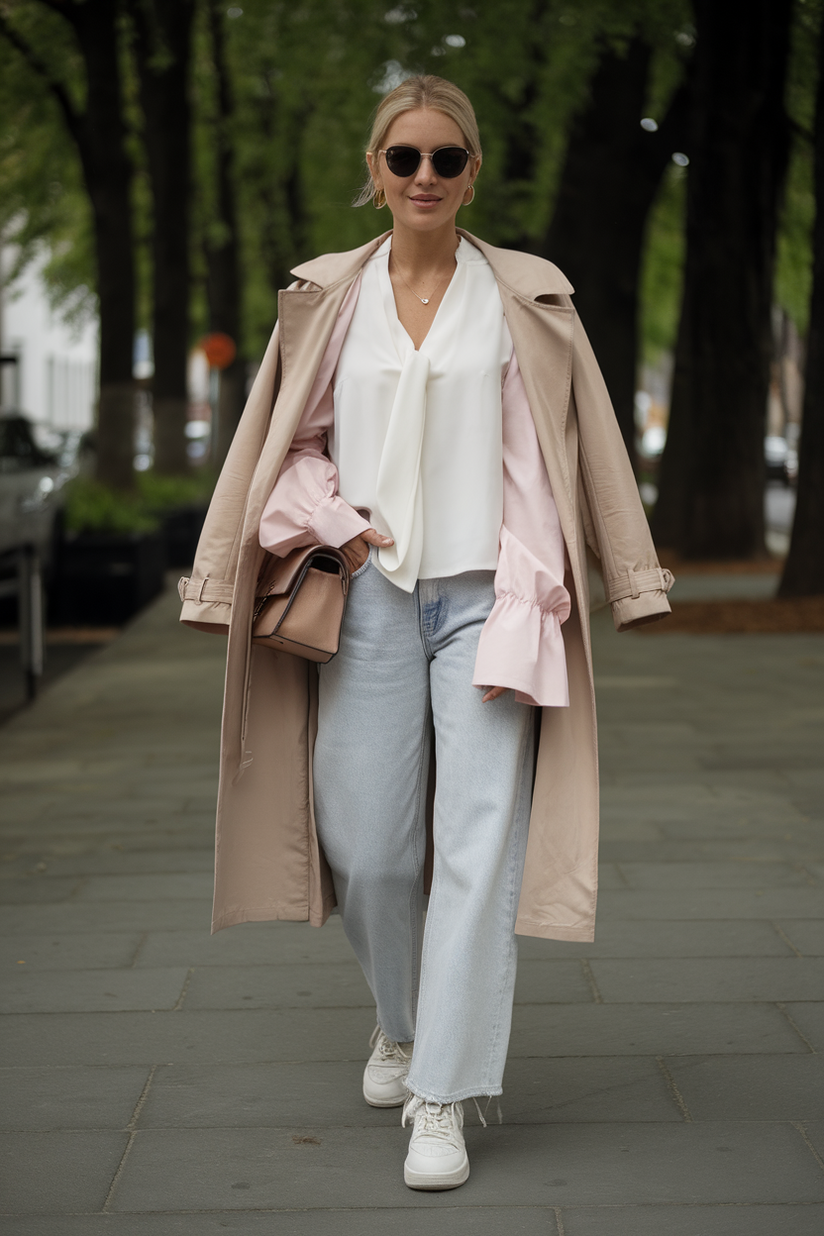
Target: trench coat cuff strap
{"points": [[207, 605], [206, 589], [633, 583]]}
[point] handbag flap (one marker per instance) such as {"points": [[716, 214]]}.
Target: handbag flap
{"points": [[279, 575]]}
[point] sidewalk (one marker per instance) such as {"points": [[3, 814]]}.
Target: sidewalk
{"points": [[665, 1081]]}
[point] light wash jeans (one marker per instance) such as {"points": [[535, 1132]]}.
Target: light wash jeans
{"points": [[403, 675]]}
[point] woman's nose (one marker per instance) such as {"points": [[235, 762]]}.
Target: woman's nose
{"points": [[425, 169]]}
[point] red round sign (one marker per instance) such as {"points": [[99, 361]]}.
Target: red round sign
{"points": [[219, 348]]}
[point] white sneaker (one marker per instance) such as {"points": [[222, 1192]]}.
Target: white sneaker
{"points": [[437, 1157], [384, 1078]]}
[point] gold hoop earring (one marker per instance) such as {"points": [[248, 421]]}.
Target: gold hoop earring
{"points": [[472, 199], [379, 199]]}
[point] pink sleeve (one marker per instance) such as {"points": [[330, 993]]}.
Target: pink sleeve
{"points": [[305, 508], [521, 644]]}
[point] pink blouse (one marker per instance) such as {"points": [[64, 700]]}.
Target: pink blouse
{"points": [[521, 644]]}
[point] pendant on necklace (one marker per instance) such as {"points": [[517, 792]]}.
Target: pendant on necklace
{"points": [[424, 300]]}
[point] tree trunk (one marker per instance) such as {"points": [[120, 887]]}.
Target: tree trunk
{"points": [[163, 48], [804, 568], [712, 473], [108, 174], [610, 177], [223, 283], [99, 134], [283, 239]]}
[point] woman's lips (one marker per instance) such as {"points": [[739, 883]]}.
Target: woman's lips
{"points": [[425, 199]]}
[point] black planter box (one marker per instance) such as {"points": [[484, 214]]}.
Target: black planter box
{"points": [[105, 578]]}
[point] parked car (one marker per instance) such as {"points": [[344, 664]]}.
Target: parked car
{"points": [[31, 483], [781, 459]]}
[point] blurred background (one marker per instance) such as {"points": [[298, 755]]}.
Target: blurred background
{"points": [[165, 163]]}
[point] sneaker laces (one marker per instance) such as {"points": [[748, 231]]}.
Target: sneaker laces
{"points": [[437, 1119], [388, 1049], [434, 1120]]}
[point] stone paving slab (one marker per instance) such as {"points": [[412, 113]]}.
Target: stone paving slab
{"points": [[783, 903], [82, 951], [107, 916], [544, 981], [814, 1131], [90, 991], [55, 1172], [736, 1220], [232, 1169], [49, 1098], [411, 1220], [122, 863], [806, 937], [148, 887], [588, 1090], [280, 987], [711, 979], [727, 938], [38, 892], [652, 1029], [248, 944], [226, 1096], [717, 875], [810, 1020], [751, 1088], [654, 847], [238, 1036]]}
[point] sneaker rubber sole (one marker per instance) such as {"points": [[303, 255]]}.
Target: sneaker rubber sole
{"points": [[433, 1181], [386, 1102]]}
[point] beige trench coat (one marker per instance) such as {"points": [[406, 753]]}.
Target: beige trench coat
{"points": [[268, 861]]}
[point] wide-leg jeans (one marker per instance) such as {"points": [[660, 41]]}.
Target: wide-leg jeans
{"points": [[401, 680]]}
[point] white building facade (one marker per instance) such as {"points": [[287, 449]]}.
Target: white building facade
{"points": [[55, 378]]}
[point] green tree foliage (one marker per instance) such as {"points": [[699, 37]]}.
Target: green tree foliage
{"points": [[793, 275], [44, 208], [305, 79]]}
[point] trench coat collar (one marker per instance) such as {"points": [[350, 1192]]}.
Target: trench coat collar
{"points": [[524, 273]]}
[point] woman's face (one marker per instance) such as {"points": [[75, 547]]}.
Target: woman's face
{"points": [[424, 201]]}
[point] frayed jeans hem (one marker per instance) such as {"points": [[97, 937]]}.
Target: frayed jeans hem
{"points": [[460, 1096]]}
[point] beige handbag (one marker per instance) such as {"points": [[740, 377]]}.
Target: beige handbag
{"points": [[301, 602]]}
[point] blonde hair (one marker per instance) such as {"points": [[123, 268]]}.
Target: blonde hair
{"points": [[416, 92]]}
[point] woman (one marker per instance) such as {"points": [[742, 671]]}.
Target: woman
{"points": [[437, 414]]}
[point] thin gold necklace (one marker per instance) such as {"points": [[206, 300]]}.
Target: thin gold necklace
{"points": [[423, 299]]}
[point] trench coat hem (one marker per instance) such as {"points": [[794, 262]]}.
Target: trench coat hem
{"points": [[584, 933], [272, 914]]}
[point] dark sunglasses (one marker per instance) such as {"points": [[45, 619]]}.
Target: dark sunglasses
{"points": [[448, 161]]}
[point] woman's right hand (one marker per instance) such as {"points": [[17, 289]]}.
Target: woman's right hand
{"points": [[356, 551]]}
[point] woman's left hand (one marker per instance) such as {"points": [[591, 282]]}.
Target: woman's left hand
{"points": [[493, 693]]}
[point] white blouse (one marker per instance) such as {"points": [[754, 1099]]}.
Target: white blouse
{"points": [[417, 435]]}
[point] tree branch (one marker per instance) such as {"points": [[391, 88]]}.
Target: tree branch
{"points": [[34, 62]]}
